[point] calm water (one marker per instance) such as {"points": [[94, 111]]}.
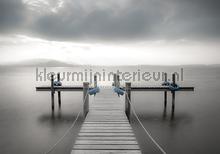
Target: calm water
{"points": [[28, 127]]}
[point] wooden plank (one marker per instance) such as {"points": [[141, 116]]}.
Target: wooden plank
{"points": [[104, 142], [115, 138], [59, 88], [107, 116], [101, 109], [105, 152], [107, 122], [107, 119], [105, 134], [107, 101], [97, 112], [161, 88], [106, 113], [107, 108], [105, 105], [106, 147], [119, 108], [106, 125], [103, 128], [103, 117], [112, 122], [105, 131]]}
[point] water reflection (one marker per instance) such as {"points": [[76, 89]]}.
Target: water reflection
{"points": [[59, 114], [56, 118], [172, 113], [164, 113], [168, 122], [172, 116]]}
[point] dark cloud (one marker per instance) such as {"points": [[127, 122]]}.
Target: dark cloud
{"points": [[194, 19], [135, 21], [116, 20], [12, 15]]}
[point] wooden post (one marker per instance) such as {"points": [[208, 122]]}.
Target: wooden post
{"points": [[52, 92], [85, 98], [118, 81], [95, 81], [165, 92], [173, 94], [115, 80], [59, 93], [127, 98]]}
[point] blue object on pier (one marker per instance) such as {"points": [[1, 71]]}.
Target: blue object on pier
{"points": [[57, 83], [119, 91], [174, 87], [93, 91], [165, 83]]}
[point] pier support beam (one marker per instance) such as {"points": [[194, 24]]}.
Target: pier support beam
{"points": [[118, 81], [165, 92], [127, 98], [85, 98], [52, 92], [115, 80], [173, 95], [95, 81], [59, 92]]}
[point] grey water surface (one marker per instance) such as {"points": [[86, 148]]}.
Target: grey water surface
{"points": [[27, 125]]}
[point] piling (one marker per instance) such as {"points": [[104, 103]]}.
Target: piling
{"points": [[59, 92], [85, 98], [95, 81], [115, 80], [165, 92], [127, 99], [52, 92], [173, 93], [118, 81]]}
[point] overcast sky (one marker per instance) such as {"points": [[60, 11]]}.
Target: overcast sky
{"points": [[107, 32]]}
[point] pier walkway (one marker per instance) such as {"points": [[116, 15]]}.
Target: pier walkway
{"points": [[106, 129]]}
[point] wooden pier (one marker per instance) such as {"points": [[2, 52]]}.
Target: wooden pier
{"points": [[106, 128]]}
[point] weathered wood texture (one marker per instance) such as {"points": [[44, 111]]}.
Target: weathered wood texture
{"points": [[160, 88], [106, 129], [59, 88]]}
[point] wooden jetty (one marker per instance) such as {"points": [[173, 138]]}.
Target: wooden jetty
{"points": [[106, 128]]}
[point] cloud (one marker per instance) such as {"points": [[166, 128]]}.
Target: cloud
{"points": [[12, 15], [110, 20]]}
